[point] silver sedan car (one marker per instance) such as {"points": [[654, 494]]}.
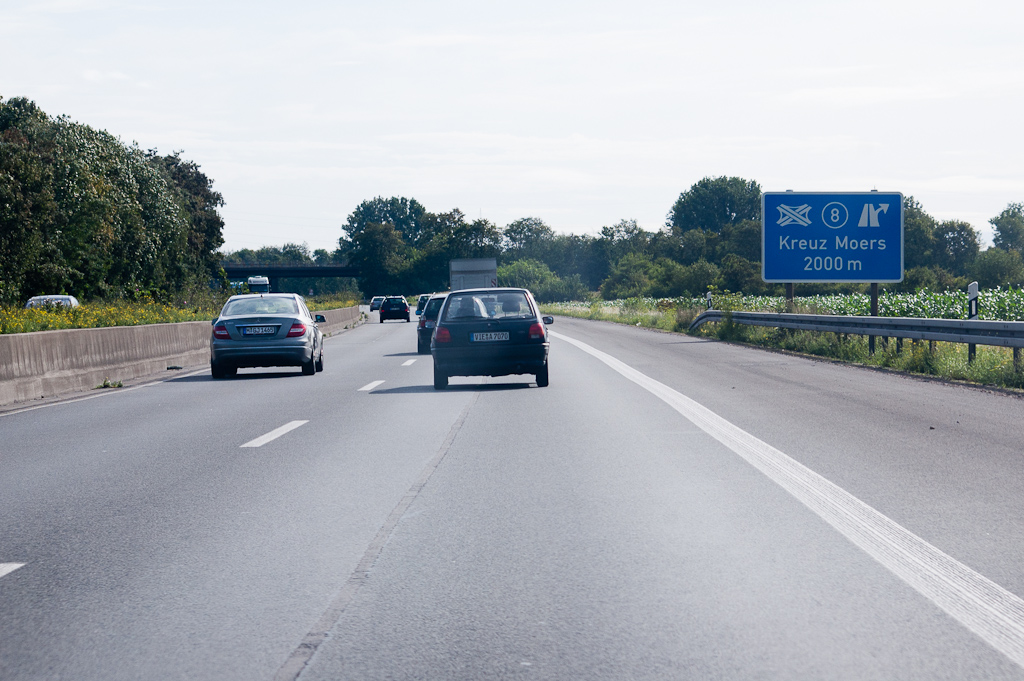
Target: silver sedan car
{"points": [[266, 330]]}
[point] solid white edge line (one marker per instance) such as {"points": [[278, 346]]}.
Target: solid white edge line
{"points": [[8, 568], [370, 386], [408, 362], [274, 434], [988, 610]]}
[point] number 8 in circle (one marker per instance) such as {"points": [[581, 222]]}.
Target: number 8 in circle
{"points": [[835, 215]]}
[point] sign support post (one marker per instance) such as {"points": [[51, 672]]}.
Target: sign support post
{"points": [[874, 313]]}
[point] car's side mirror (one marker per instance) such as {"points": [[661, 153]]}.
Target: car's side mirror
{"points": [[419, 312], [548, 320], [320, 319]]}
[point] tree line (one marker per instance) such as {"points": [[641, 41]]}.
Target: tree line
{"points": [[83, 213], [711, 239]]}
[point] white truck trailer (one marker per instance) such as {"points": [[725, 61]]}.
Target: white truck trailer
{"points": [[473, 273]]}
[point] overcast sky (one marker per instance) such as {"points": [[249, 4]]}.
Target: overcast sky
{"points": [[579, 113]]}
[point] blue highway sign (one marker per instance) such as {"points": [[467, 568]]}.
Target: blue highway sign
{"points": [[822, 237]]}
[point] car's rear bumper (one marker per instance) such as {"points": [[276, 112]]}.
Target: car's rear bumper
{"points": [[490, 360], [237, 354]]}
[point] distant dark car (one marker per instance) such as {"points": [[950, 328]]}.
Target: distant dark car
{"points": [[52, 301], [425, 327], [266, 330], [490, 332], [394, 307], [376, 302]]}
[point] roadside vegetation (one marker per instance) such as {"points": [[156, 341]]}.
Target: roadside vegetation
{"points": [[203, 305], [991, 366]]}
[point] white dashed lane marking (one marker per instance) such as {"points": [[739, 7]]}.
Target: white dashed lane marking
{"points": [[408, 362], [370, 386], [274, 434], [8, 568]]}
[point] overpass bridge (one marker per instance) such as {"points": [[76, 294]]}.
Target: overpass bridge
{"points": [[277, 272]]}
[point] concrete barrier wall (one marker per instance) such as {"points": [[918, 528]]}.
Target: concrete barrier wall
{"points": [[339, 319], [47, 363]]}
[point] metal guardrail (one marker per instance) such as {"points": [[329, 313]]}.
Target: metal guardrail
{"points": [[978, 332]]}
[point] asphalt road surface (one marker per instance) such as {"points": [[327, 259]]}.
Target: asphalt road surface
{"points": [[668, 508]]}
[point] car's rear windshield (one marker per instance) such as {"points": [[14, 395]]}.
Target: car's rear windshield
{"points": [[259, 305], [484, 305], [432, 307]]}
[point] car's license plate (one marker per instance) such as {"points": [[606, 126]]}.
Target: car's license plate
{"points": [[490, 336], [429, 324], [259, 330]]}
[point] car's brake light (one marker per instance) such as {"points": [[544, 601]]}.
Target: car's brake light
{"points": [[297, 330], [221, 331], [537, 331], [441, 335], [422, 324]]}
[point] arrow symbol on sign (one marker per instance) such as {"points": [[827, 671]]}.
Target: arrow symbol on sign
{"points": [[869, 216], [789, 215]]}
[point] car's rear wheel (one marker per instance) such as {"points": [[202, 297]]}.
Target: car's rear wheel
{"points": [[423, 348], [309, 368], [319, 365], [408, 318], [542, 377], [440, 379], [218, 370], [382, 319]]}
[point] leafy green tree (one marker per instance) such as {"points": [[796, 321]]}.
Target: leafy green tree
{"points": [[381, 256], [114, 224], [631, 276], [741, 275], [623, 238], [742, 238], [956, 246], [1009, 228], [450, 237], [545, 285], [200, 202], [917, 279], [27, 209], [668, 279], [715, 202], [918, 235], [694, 245], [406, 215], [526, 238], [477, 239], [699, 277], [997, 267], [578, 254]]}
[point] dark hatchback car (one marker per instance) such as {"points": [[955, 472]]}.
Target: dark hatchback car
{"points": [[394, 307], [425, 327], [490, 332], [266, 330]]}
